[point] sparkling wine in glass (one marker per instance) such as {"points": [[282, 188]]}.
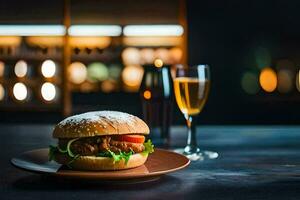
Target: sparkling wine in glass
{"points": [[191, 87]]}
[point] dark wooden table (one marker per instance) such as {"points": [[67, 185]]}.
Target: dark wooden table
{"points": [[256, 162]]}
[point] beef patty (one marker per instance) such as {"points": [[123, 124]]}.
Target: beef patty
{"points": [[93, 145]]}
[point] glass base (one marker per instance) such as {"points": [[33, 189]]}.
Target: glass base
{"points": [[198, 155]]}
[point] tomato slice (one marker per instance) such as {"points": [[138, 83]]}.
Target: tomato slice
{"points": [[131, 138]]}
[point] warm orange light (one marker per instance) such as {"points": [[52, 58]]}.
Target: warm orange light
{"points": [[48, 91], [175, 55], [20, 91], [2, 68], [21, 68], [48, 41], [298, 81], [131, 56], [108, 85], [90, 42], [48, 68], [147, 56], [77, 72], [158, 63], [79, 42], [2, 92], [132, 75], [147, 94], [268, 79], [152, 41], [163, 54], [10, 41], [285, 80]]}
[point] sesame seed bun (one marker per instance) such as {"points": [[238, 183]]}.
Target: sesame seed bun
{"points": [[92, 163], [100, 123]]}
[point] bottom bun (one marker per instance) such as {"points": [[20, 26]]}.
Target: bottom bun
{"points": [[93, 163]]}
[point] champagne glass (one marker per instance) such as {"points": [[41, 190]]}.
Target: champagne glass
{"points": [[191, 86]]}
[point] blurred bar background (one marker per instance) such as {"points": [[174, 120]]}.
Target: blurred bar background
{"points": [[64, 57]]}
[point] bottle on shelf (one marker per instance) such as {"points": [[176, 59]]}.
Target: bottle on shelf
{"points": [[156, 93]]}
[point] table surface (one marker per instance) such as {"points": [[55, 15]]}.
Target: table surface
{"points": [[256, 162]]}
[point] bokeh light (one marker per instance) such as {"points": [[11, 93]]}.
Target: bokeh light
{"points": [[20, 91], [114, 71], [147, 94], [142, 41], [95, 30], [2, 68], [268, 79], [158, 63], [97, 71], [131, 56], [285, 64], [262, 57], [108, 85], [2, 92], [90, 42], [285, 80], [249, 83], [77, 72], [48, 68], [298, 80], [175, 55], [86, 87], [48, 91], [11, 41], [21, 68], [132, 75], [163, 54], [153, 30], [46, 41], [147, 56]]}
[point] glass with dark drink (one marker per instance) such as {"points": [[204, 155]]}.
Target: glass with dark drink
{"points": [[157, 98]]}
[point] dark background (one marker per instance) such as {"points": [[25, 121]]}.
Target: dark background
{"points": [[223, 34]]}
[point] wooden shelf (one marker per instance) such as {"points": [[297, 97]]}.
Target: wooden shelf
{"points": [[65, 54], [25, 106], [30, 81], [31, 57]]}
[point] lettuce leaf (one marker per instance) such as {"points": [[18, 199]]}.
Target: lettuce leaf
{"points": [[126, 156], [52, 150], [61, 150], [149, 147], [67, 151], [103, 154], [116, 157]]}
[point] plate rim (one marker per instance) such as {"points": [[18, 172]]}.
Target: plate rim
{"points": [[88, 175]]}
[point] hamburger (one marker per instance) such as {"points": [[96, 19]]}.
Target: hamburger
{"points": [[101, 140]]}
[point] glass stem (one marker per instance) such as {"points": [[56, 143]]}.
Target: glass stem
{"points": [[192, 146]]}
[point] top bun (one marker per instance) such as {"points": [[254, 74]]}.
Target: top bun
{"points": [[100, 123]]}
